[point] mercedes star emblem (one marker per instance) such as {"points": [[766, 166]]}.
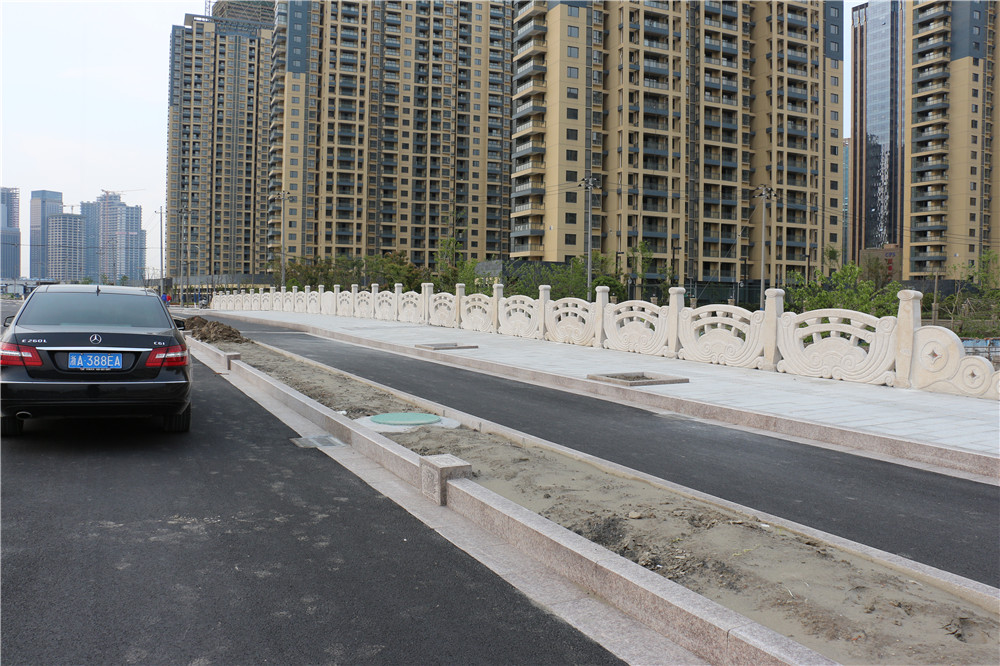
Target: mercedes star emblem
{"points": [[95, 339]]}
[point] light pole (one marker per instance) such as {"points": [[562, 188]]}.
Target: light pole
{"points": [[185, 252], [764, 193], [588, 185], [162, 239], [284, 195]]}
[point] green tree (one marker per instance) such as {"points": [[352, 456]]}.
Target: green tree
{"points": [[845, 289]]}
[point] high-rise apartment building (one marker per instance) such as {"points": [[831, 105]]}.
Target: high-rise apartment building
{"points": [[220, 68], [91, 212], [121, 255], [390, 129], [10, 232], [44, 204], [951, 115], [674, 114], [877, 126], [66, 249]]}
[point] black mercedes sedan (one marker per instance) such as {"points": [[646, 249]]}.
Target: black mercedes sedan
{"points": [[93, 351]]}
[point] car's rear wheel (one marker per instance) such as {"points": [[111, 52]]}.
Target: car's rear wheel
{"points": [[10, 426], [178, 422]]}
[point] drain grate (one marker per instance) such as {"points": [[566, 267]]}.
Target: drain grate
{"points": [[638, 379], [317, 442]]}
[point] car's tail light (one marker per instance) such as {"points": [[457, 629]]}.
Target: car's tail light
{"points": [[18, 355], [168, 357]]}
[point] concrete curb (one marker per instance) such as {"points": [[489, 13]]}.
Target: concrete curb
{"points": [[882, 445]]}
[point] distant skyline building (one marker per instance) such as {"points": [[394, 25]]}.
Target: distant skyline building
{"points": [[877, 126], [122, 250], [65, 249], [91, 212], [10, 232], [218, 123], [44, 204]]}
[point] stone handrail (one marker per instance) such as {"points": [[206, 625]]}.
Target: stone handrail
{"points": [[836, 344]]}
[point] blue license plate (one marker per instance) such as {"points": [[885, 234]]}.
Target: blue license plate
{"points": [[92, 361]]}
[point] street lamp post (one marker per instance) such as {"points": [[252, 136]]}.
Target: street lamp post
{"points": [[764, 193], [162, 237], [185, 251], [588, 184], [284, 195]]}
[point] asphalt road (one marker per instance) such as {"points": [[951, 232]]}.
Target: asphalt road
{"points": [[939, 520], [230, 545]]}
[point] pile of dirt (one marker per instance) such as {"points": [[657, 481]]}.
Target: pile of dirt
{"points": [[213, 331]]}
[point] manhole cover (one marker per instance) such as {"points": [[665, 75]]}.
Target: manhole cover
{"points": [[406, 419]]}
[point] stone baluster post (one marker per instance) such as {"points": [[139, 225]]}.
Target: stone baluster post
{"points": [[459, 303], [597, 310], [426, 293], [397, 300], [544, 296], [774, 307], [495, 308], [907, 322], [674, 306]]}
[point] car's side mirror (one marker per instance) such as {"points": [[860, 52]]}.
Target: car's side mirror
{"points": [[179, 323], [7, 320]]}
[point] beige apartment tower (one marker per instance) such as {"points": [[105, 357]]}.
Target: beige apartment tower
{"points": [[951, 114], [218, 125], [676, 114], [389, 130]]}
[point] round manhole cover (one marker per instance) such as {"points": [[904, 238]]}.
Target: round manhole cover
{"points": [[406, 419]]}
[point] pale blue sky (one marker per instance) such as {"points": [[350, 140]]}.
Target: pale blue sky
{"points": [[83, 105], [83, 101]]}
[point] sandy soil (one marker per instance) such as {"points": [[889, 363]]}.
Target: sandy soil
{"points": [[841, 605]]}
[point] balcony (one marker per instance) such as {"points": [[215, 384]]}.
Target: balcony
{"points": [[533, 47], [527, 248], [530, 29]]}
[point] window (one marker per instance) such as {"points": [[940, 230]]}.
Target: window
{"points": [[833, 150], [573, 72], [571, 156], [573, 51], [573, 31], [972, 232], [571, 177], [570, 218], [834, 115], [574, 11], [572, 134], [570, 239], [835, 80], [571, 197], [572, 114], [573, 93], [834, 185], [834, 98]]}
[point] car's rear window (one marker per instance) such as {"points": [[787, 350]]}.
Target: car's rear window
{"points": [[93, 309]]}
